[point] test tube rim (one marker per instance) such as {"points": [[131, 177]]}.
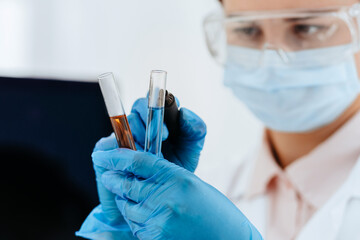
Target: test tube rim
{"points": [[104, 75], [158, 71]]}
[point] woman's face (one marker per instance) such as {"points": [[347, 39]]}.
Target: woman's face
{"points": [[273, 33]]}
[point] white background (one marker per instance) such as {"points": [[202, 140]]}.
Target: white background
{"points": [[79, 39]]}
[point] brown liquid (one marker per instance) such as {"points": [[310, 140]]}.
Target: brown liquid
{"points": [[122, 131]]}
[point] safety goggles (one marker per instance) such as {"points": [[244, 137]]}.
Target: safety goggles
{"points": [[248, 37]]}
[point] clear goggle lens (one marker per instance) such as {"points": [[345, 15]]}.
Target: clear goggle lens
{"points": [[287, 33]]}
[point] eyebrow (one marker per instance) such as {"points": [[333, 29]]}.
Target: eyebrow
{"points": [[298, 19], [294, 19]]}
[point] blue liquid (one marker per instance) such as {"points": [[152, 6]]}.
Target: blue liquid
{"points": [[153, 137]]}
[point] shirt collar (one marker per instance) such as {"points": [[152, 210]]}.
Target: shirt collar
{"points": [[317, 175], [265, 169]]}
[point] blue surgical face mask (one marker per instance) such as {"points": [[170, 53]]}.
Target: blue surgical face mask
{"points": [[293, 99]]}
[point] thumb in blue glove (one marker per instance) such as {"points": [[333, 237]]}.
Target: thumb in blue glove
{"points": [[185, 152], [161, 200]]}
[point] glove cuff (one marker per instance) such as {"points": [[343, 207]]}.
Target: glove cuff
{"points": [[97, 226]]}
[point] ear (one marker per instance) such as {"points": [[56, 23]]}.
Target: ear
{"points": [[357, 61]]}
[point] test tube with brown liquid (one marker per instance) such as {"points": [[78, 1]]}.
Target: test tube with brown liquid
{"points": [[116, 111], [122, 131]]}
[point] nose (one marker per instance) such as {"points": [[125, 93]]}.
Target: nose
{"points": [[275, 39], [274, 31]]}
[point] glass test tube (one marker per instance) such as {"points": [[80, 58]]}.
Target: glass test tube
{"points": [[116, 111], [155, 117]]}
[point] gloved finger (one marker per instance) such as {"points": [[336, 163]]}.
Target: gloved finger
{"points": [[136, 213], [140, 108], [106, 143], [139, 147], [106, 198], [137, 127], [192, 127], [142, 165], [133, 214], [127, 186], [177, 101]]}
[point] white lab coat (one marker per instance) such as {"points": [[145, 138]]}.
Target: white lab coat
{"points": [[338, 219]]}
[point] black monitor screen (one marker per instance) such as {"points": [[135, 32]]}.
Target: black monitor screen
{"points": [[48, 130]]}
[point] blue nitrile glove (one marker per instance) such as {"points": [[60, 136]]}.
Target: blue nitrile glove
{"points": [[105, 221], [186, 151], [161, 200]]}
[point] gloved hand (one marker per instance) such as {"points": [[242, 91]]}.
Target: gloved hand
{"points": [[185, 152], [105, 221], [161, 200], [106, 218]]}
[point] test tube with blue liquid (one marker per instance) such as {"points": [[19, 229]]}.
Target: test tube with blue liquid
{"points": [[155, 117]]}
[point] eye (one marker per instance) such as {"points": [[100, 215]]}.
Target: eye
{"points": [[252, 31], [308, 30]]}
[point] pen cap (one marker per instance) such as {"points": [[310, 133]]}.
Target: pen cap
{"points": [[171, 116], [157, 89]]}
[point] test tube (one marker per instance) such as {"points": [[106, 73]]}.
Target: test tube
{"points": [[155, 117], [116, 111]]}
